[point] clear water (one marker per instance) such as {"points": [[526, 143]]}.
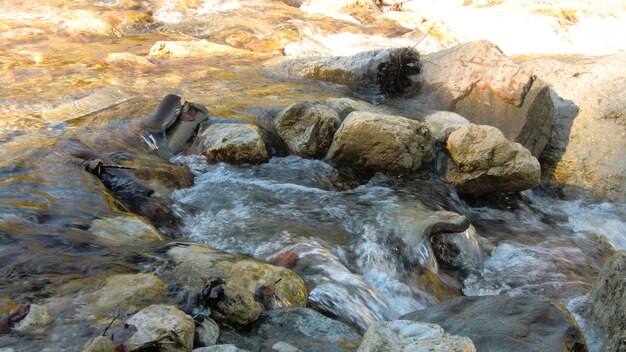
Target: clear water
{"points": [[362, 250]]}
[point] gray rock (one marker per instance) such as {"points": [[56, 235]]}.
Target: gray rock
{"points": [[126, 290], [374, 142], [307, 330], [607, 302], [99, 344], [282, 346], [207, 333], [484, 161], [503, 323], [479, 82], [220, 348], [587, 146], [406, 335], [124, 228], [38, 318], [442, 123], [232, 143], [307, 128], [157, 320]]}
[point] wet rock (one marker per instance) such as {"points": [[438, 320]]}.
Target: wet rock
{"points": [[99, 344], [442, 123], [220, 348], [484, 161], [288, 289], [585, 155], [372, 142], [479, 82], [157, 320], [97, 100], [308, 330], [232, 143], [406, 335], [344, 106], [199, 48], [355, 70], [157, 173], [38, 318], [307, 128], [607, 302], [126, 290], [107, 23], [207, 333], [123, 229], [460, 252], [281, 346], [128, 59], [237, 308], [197, 261], [503, 323]]}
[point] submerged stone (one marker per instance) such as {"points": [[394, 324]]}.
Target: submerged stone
{"points": [[37, 318], [503, 323], [99, 344], [123, 229], [410, 336], [126, 289]]}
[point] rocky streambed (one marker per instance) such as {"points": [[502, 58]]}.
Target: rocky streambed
{"points": [[322, 184]]}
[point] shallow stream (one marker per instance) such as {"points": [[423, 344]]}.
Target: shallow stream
{"points": [[362, 251]]}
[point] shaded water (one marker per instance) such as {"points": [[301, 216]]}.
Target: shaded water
{"points": [[362, 250]]}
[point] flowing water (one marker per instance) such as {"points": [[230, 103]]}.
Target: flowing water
{"points": [[362, 249]]}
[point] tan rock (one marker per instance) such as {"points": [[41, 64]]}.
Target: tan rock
{"points": [[157, 320], [200, 48], [124, 229], [373, 142], [307, 128], [128, 59], [107, 23], [232, 143], [479, 82], [484, 161], [406, 335], [442, 123], [126, 290], [99, 344], [37, 318]]}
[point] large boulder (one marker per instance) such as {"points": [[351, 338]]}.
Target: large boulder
{"points": [[406, 335], [234, 143], [373, 142], [156, 321], [479, 82], [607, 302], [307, 128], [484, 161], [503, 323], [585, 155]]}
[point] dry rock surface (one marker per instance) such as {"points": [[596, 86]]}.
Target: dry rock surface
{"points": [[484, 161], [232, 143], [479, 82], [307, 128], [373, 142]]}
